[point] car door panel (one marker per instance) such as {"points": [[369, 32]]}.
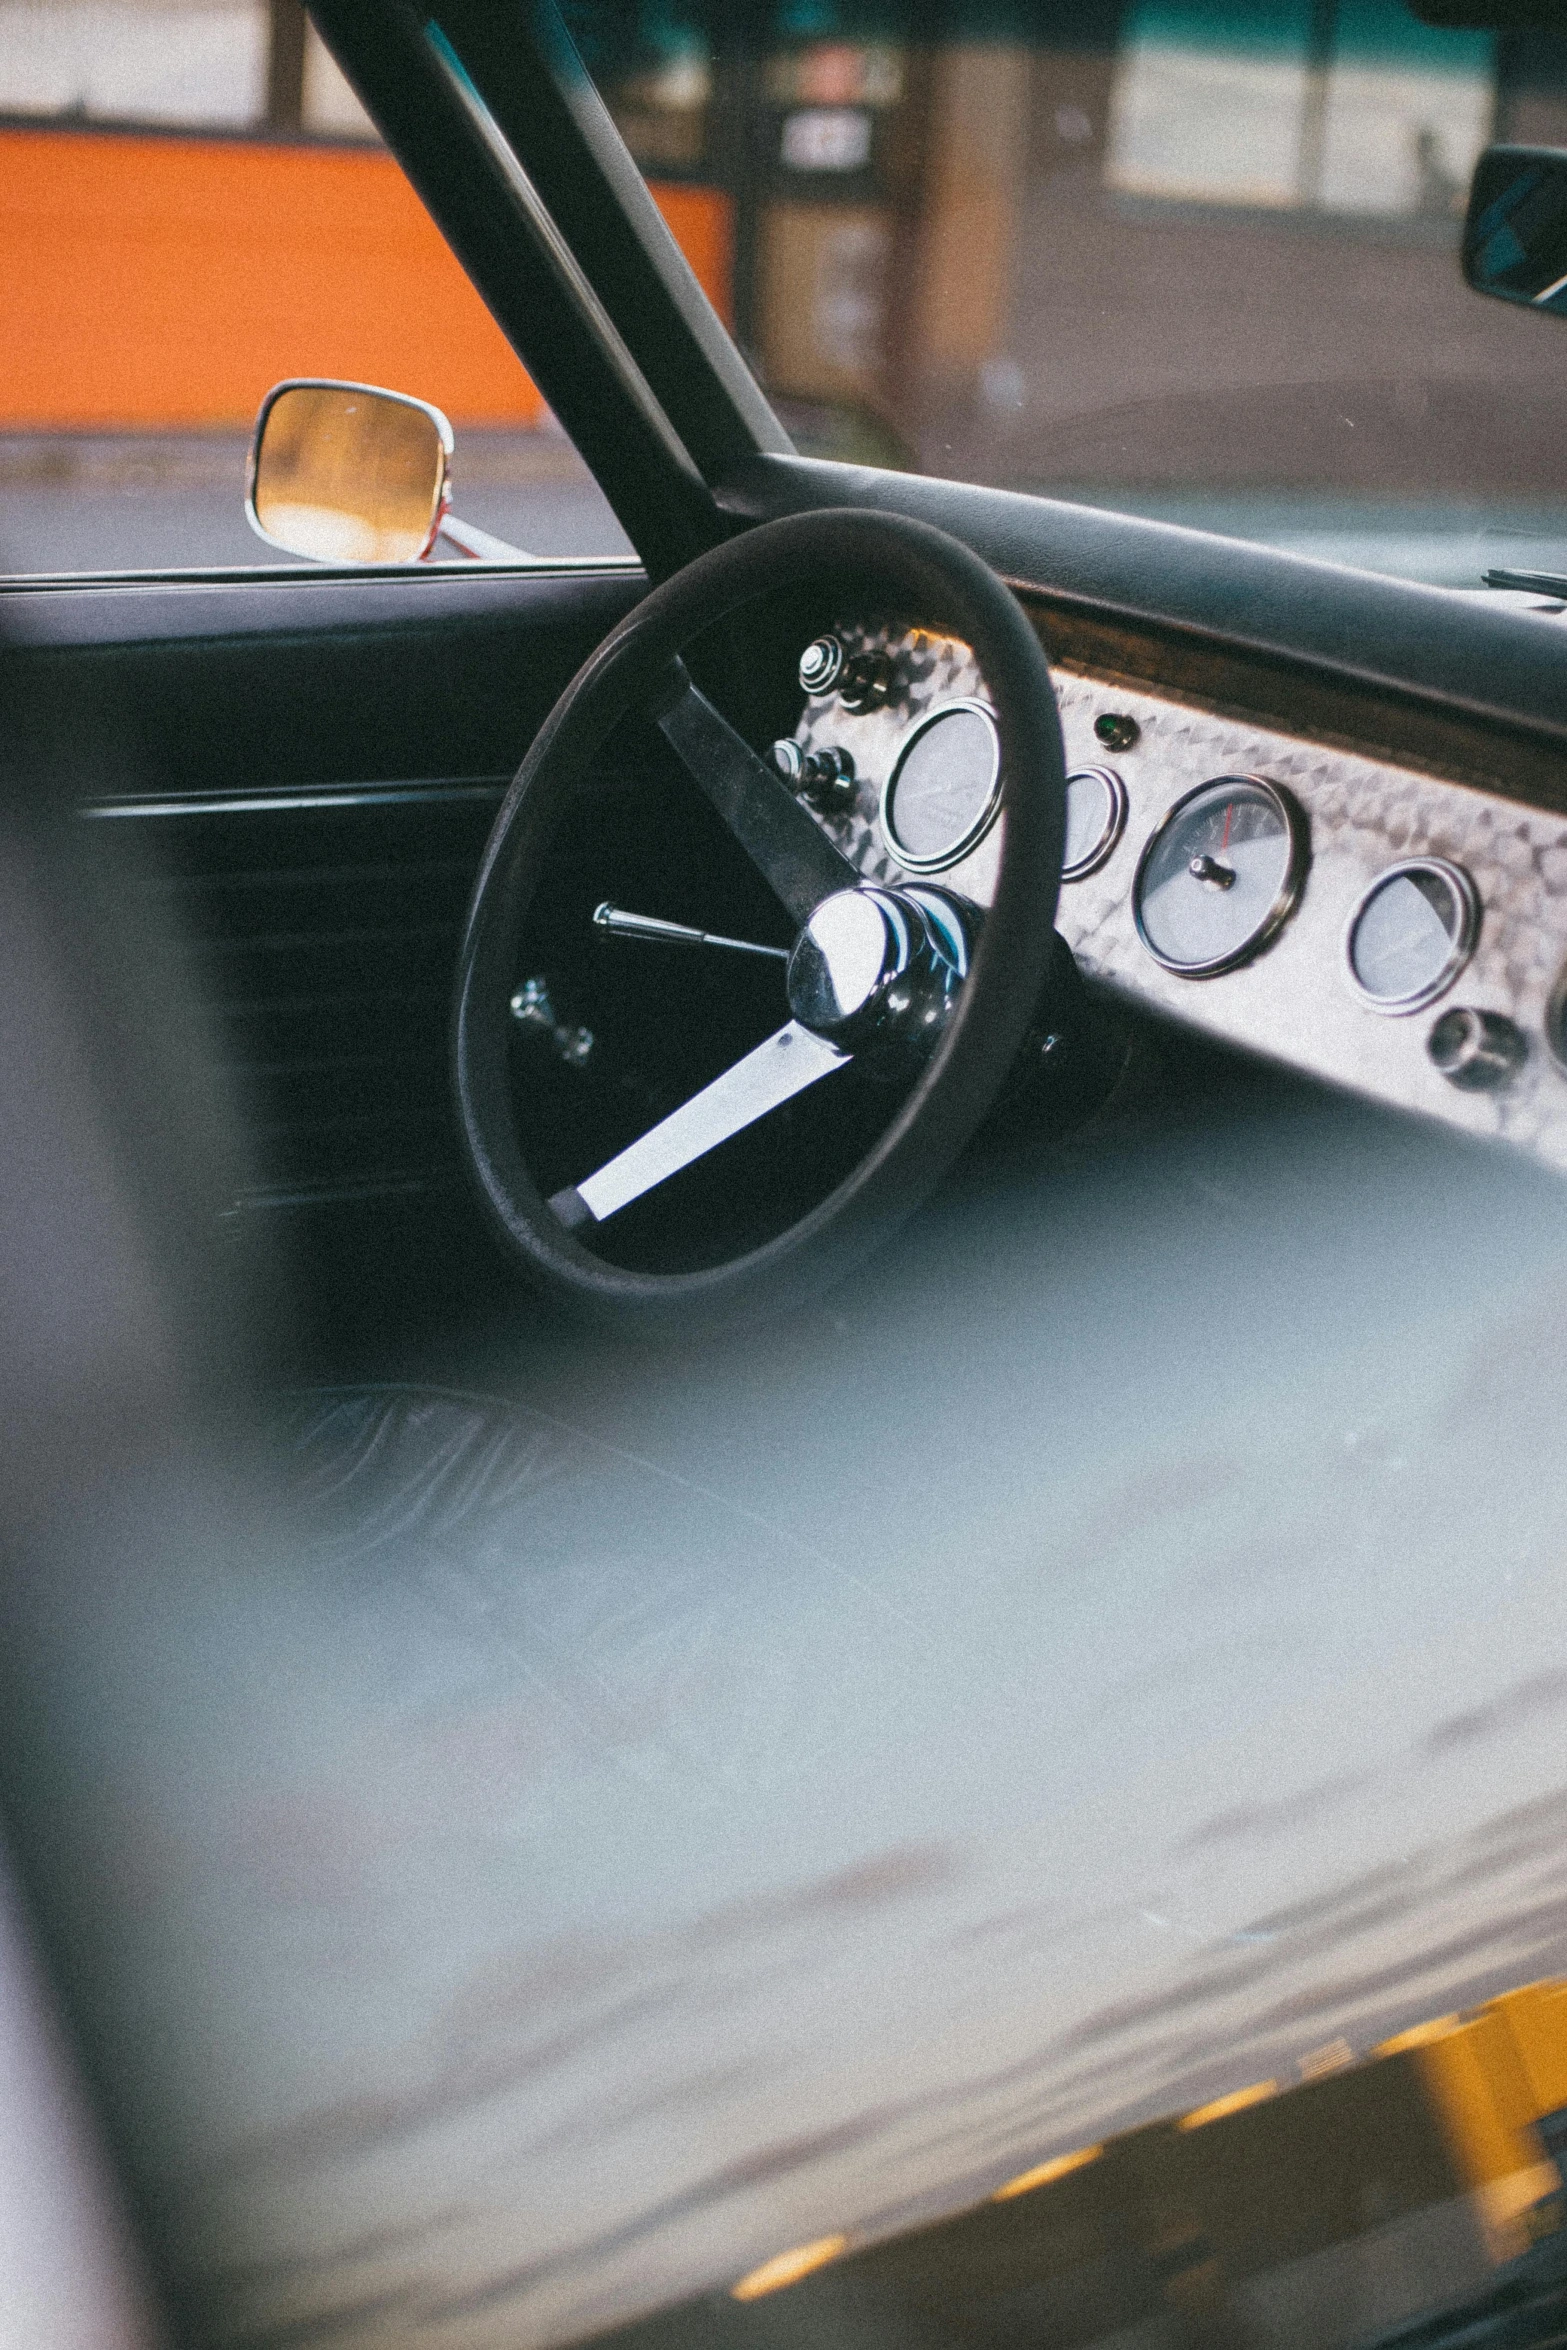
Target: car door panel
{"points": [[300, 774]]}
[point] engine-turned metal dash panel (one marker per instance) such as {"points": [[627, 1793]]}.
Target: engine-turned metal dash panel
{"points": [[1296, 1000]]}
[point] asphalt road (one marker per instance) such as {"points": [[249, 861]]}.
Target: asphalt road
{"points": [[96, 504], [113, 505], [58, 529]]}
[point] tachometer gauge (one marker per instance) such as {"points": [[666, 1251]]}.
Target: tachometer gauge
{"points": [[945, 787], [1095, 815], [1220, 876], [1412, 933]]}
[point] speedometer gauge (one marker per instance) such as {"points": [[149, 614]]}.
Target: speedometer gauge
{"points": [[1220, 876], [945, 786]]}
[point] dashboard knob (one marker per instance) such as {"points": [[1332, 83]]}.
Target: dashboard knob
{"points": [[828, 781], [863, 681], [825, 777], [867, 682], [821, 665], [1476, 1051]]}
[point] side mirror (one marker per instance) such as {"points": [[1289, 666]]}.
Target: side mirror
{"points": [[1515, 236], [344, 473]]}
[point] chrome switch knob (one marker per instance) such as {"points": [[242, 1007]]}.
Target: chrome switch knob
{"points": [[862, 681], [828, 781], [1477, 1051], [825, 777], [821, 665], [867, 682]]}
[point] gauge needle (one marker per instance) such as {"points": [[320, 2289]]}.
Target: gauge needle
{"points": [[1209, 869]]}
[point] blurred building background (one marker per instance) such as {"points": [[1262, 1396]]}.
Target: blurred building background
{"points": [[1198, 257]]}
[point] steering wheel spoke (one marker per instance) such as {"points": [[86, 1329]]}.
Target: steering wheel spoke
{"points": [[782, 839], [790, 1060]]}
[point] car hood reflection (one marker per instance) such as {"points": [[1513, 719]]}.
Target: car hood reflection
{"points": [[1104, 1664]]}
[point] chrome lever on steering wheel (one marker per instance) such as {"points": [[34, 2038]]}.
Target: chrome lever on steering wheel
{"points": [[874, 971], [651, 930]]}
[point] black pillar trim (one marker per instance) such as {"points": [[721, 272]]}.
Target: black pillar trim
{"points": [[381, 46], [523, 61], [285, 67]]}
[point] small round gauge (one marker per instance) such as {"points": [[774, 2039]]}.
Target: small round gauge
{"points": [[1095, 816], [1412, 933], [945, 786], [1220, 875]]}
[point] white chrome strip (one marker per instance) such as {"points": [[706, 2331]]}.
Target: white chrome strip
{"points": [[777, 1070], [295, 575]]}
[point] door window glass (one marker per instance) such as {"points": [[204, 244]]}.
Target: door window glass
{"points": [[195, 206]]}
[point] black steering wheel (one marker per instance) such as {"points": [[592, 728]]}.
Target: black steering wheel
{"points": [[910, 980]]}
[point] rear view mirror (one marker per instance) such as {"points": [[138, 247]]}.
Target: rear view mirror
{"points": [[344, 473], [1515, 237]]}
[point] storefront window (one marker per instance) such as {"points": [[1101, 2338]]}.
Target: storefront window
{"points": [[187, 62], [654, 62], [1355, 108]]}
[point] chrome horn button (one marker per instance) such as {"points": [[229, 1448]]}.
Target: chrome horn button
{"points": [[857, 943], [874, 964]]}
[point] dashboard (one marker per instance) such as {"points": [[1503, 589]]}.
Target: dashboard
{"points": [[1363, 920]]}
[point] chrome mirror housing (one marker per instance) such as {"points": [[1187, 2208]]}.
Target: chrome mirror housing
{"points": [[347, 473]]}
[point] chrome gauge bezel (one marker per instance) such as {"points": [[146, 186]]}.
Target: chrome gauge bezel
{"points": [[1556, 1021], [1115, 823], [1267, 930], [987, 816], [1459, 951]]}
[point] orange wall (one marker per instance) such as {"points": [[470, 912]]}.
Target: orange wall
{"points": [[167, 282]]}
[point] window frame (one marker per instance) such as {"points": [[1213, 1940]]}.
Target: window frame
{"points": [[502, 133]]}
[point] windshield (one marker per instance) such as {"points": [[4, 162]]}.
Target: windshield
{"points": [[1192, 259]]}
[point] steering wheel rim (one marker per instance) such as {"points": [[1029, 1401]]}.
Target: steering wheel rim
{"points": [[941, 583]]}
